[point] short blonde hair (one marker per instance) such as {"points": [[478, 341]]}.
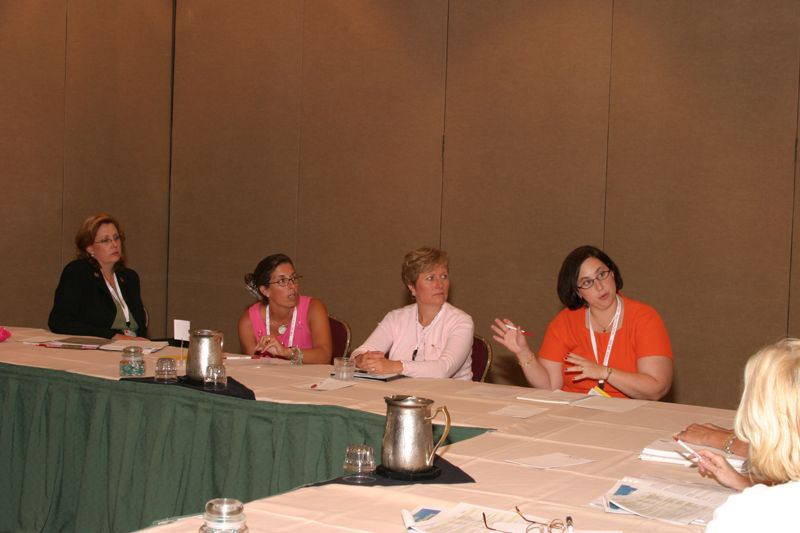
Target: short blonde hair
{"points": [[422, 260], [769, 413]]}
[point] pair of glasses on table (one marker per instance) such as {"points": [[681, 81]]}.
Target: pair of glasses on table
{"points": [[553, 526]]}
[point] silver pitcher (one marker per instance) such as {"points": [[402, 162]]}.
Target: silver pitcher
{"points": [[205, 348], [408, 434]]}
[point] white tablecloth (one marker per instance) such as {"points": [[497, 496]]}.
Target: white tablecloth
{"points": [[612, 440]]}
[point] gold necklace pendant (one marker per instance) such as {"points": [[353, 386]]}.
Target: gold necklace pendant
{"points": [[282, 329]]}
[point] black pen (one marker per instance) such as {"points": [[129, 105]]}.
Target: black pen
{"points": [[569, 524]]}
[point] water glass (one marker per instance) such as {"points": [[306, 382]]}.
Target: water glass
{"points": [[215, 379], [344, 368], [359, 464], [166, 370]]}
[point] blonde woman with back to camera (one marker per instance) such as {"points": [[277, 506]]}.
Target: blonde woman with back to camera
{"points": [[429, 338], [768, 419]]}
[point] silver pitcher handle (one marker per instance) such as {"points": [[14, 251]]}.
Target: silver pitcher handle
{"points": [[429, 459]]}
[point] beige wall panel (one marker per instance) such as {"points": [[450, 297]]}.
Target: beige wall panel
{"points": [[235, 153], [524, 174], [31, 157], [116, 149], [700, 179], [370, 174]]}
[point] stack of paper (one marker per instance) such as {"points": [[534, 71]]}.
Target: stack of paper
{"points": [[146, 346], [587, 401], [553, 396], [675, 502], [79, 343], [669, 451]]}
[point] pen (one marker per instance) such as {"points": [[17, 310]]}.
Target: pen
{"points": [[690, 450], [509, 326], [569, 524]]}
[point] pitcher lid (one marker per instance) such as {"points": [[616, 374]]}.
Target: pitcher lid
{"points": [[403, 400], [204, 332]]}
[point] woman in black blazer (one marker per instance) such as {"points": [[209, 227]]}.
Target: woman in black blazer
{"points": [[97, 295]]}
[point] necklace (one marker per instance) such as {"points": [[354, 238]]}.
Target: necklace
{"points": [[605, 328], [282, 327]]}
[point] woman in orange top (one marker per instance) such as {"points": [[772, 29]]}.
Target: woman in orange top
{"points": [[601, 342]]}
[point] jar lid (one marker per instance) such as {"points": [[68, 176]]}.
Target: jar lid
{"points": [[221, 509], [132, 350]]}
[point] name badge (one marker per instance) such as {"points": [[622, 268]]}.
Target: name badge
{"points": [[597, 391]]}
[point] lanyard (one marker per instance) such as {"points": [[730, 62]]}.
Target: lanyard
{"points": [[291, 331], [116, 294], [421, 331], [614, 324]]}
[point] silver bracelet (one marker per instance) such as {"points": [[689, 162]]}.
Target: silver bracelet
{"points": [[297, 355], [729, 444]]}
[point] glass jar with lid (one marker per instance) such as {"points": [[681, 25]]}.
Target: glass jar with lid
{"points": [[132, 363], [224, 515]]}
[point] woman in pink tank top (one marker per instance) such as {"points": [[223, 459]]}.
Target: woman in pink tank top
{"points": [[283, 323]]}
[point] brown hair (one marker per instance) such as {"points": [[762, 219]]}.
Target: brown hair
{"points": [[263, 272], [88, 232], [422, 260]]}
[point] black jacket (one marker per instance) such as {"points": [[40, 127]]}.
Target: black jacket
{"points": [[83, 303]]}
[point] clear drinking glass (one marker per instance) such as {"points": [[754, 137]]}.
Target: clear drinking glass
{"points": [[166, 371], [216, 379], [359, 464], [344, 368]]}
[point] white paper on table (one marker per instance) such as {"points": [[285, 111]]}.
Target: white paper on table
{"points": [[669, 451], [550, 460], [180, 329], [467, 518], [613, 405], [42, 339], [507, 527], [557, 396], [674, 502], [519, 411], [325, 385]]}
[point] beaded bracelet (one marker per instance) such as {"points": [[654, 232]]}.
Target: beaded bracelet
{"points": [[531, 358]]}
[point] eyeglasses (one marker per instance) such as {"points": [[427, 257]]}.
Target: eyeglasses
{"points": [[108, 240], [589, 283], [283, 282], [553, 526]]}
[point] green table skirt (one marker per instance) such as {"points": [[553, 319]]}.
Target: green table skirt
{"points": [[84, 454]]}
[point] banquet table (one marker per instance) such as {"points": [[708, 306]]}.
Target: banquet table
{"points": [[42, 388]]}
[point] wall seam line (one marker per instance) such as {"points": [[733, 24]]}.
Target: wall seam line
{"points": [[792, 228], [169, 164], [444, 126], [608, 125]]}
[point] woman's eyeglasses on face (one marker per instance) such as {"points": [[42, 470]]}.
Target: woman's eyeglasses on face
{"points": [[588, 283], [554, 526], [284, 282], [108, 240]]}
